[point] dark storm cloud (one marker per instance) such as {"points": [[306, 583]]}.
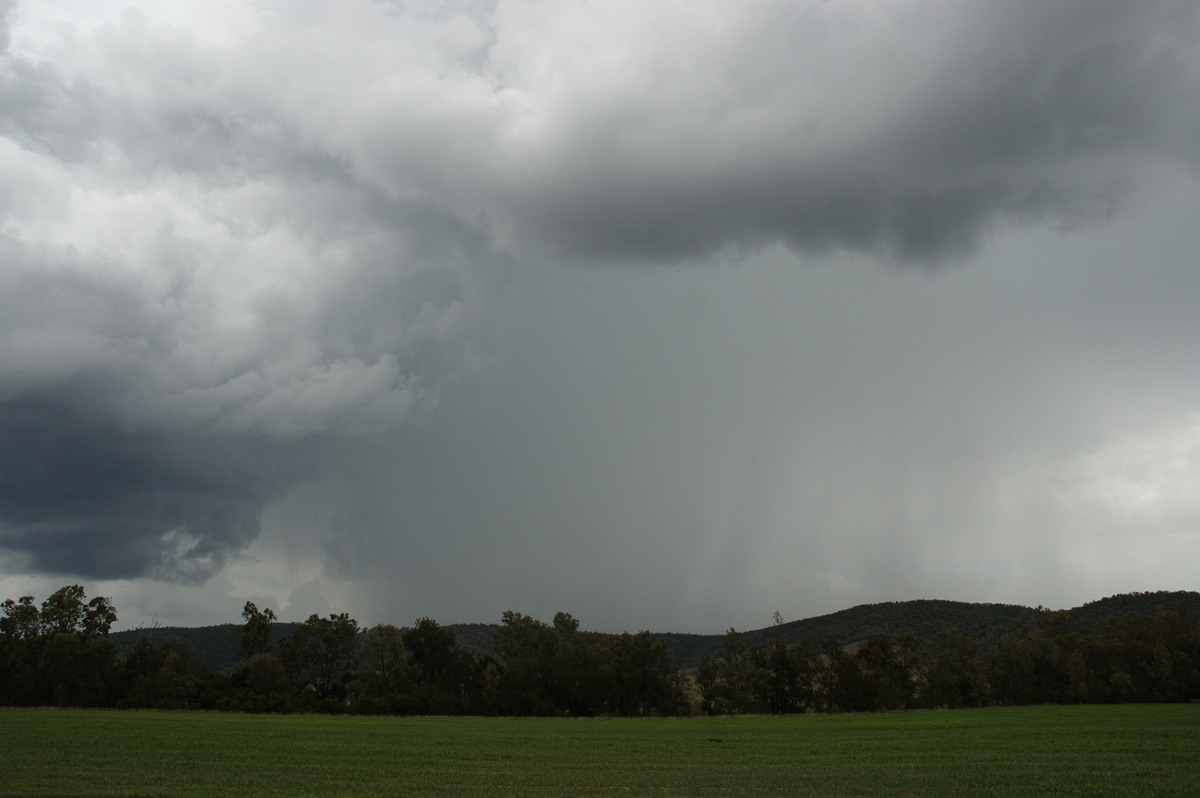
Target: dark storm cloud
{"points": [[286, 291], [94, 479], [196, 305], [906, 132], [136, 445], [81, 496]]}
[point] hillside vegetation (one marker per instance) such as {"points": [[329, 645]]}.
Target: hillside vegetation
{"points": [[218, 645], [896, 655]]}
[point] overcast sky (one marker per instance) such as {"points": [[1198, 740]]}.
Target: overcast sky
{"points": [[670, 315]]}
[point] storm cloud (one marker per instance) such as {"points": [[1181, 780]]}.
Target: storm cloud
{"points": [[905, 131], [449, 309]]}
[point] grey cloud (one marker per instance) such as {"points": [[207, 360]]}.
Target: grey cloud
{"points": [[6, 7], [42, 112], [198, 307], [135, 445], [350, 552], [908, 133], [165, 107], [81, 496], [909, 140], [718, 439], [293, 303]]}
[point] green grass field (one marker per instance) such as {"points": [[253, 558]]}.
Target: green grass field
{"points": [[1080, 751]]}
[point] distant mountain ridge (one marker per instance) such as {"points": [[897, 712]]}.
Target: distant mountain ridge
{"points": [[219, 645], [922, 617]]}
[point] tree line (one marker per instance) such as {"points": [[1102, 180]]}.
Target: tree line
{"points": [[1125, 658], [59, 653]]}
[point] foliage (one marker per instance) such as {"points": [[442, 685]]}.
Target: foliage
{"points": [[1035, 661], [445, 679], [255, 634], [219, 645], [59, 653], [923, 618], [322, 655]]}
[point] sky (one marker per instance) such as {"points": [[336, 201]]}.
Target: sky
{"points": [[669, 315]]}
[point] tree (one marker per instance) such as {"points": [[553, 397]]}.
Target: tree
{"points": [[20, 643], [384, 650], [430, 648], [322, 653], [787, 683], [64, 611], [261, 684], [1026, 667], [163, 674], [99, 617], [566, 625], [843, 686], [529, 650], [707, 683], [383, 684], [741, 675], [888, 681], [953, 673], [648, 681], [21, 620], [446, 678], [59, 654], [256, 631]]}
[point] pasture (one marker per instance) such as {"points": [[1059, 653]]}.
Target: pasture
{"points": [[1127, 750]]}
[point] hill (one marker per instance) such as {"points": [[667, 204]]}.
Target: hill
{"points": [[1094, 612], [922, 617], [218, 645]]}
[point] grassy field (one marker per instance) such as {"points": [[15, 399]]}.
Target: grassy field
{"points": [[1077, 751]]}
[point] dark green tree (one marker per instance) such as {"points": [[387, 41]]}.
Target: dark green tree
{"points": [[161, 673], [383, 684], [322, 654], [64, 611], [787, 676], [21, 620], [59, 654], [446, 679], [888, 681], [255, 633], [842, 686], [531, 653], [262, 684], [953, 672], [739, 683], [20, 644], [647, 679]]}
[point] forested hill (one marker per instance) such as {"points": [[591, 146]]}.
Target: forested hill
{"points": [[922, 617], [926, 617], [219, 645], [1090, 614]]}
